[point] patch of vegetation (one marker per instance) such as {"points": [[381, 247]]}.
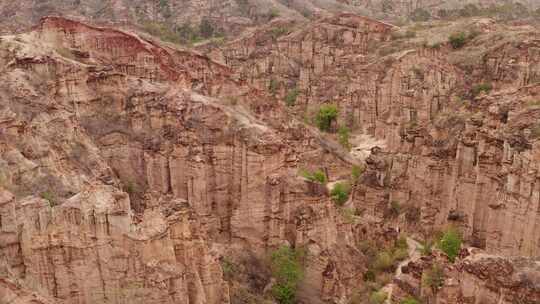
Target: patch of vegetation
{"points": [[343, 137], [317, 176], [165, 9], [434, 277], [206, 29], [279, 31], [287, 270], [161, 30], [479, 88], [273, 86], [130, 188], [450, 243], [395, 209], [387, 260], [187, 33], [410, 300], [356, 172], [340, 193], [420, 15], [436, 45], [378, 297], [384, 261], [535, 131], [327, 114], [349, 215], [457, 40], [506, 11], [273, 13], [50, 197], [291, 97], [228, 268]]}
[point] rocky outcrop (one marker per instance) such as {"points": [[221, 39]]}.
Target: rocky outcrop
{"points": [[477, 278]]}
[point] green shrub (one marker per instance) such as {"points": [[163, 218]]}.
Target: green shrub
{"points": [[483, 87], [273, 86], [369, 275], [434, 277], [290, 99], [228, 268], [130, 188], [287, 270], [457, 40], [356, 172], [317, 176], [378, 297], [384, 261], [161, 30], [340, 193], [326, 115], [450, 244], [273, 13], [401, 242], [400, 254], [369, 248], [410, 300], [343, 136], [50, 197]]}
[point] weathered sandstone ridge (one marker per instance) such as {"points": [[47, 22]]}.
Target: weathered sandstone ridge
{"points": [[129, 168]]}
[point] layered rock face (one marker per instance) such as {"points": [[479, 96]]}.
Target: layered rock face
{"points": [[128, 168], [469, 166], [333, 61]]}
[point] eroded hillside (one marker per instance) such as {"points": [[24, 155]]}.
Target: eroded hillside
{"points": [[133, 171]]}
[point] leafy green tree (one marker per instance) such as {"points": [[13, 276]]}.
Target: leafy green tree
{"points": [[326, 115], [343, 136], [450, 244], [317, 176], [378, 297], [340, 193], [287, 270], [457, 40]]}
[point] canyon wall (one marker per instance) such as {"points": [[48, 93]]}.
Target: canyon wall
{"points": [[449, 157], [129, 169]]}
